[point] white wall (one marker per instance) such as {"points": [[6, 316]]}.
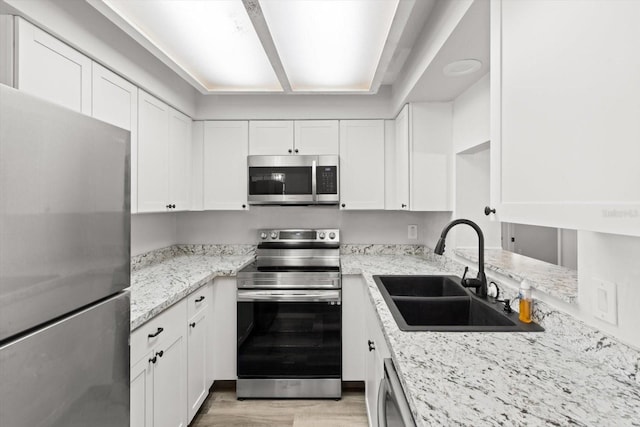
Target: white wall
{"points": [[471, 116], [569, 249], [152, 231], [355, 226], [472, 195], [84, 28], [612, 258], [270, 106]]}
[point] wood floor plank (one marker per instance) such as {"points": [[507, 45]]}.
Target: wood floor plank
{"points": [[222, 408]]}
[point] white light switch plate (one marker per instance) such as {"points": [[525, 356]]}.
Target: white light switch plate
{"points": [[412, 232], [605, 301]]}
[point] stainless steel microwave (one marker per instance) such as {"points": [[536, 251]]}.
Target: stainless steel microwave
{"points": [[293, 180]]}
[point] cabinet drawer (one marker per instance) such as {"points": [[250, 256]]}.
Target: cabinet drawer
{"points": [[198, 300], [168, 324]]}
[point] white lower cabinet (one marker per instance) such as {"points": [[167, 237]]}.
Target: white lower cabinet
{"points": [[376, 351], [171, 363], [199, 378], [353, 328]]}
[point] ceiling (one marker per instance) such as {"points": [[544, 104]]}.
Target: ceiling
{"points": [[276, 30]]}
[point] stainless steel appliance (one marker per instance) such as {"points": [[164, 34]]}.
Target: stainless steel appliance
{"points": [[393, 409], [293, 180], [64, 267], [290, 317]]}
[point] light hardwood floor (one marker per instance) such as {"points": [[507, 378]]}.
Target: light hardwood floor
{"points": [[223, 409]]}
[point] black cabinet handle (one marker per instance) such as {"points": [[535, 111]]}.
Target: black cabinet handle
{"points": [[200, 298], [168, 206], [404, 206], [160, 353], [372, 345], [193, 324], [343, 205], [158, 332], [173, 206], [153, 360], [290, 151], [296, 150], [244, 206]]}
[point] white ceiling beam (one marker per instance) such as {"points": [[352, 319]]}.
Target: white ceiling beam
{"points": [[260, 25], [399, 23]]}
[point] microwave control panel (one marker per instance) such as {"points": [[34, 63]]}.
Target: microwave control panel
{"points": [[326, 180]]}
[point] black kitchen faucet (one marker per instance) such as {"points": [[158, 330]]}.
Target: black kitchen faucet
{"points": [[480, 282]]}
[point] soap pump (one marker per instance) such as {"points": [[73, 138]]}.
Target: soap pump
{"points": [[526, 302]]}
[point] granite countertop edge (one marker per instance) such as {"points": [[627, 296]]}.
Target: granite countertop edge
{"points": [[158, 287]]}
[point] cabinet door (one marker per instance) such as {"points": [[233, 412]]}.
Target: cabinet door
{"points": [[225, 165], [564, 131], [179, 160], [170, 384], [198, 359], [362, 164], [115, 101], [50, 69], [270, 137], [430, 156], [316, 137], [153, 154], [353, 329], [141, 389], [402, 160], [225, 338]]}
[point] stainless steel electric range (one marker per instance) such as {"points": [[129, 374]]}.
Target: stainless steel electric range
{"points": [[290, 317]]}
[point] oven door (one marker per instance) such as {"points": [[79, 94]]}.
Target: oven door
{"points": [[293, 334], [281, 179]]}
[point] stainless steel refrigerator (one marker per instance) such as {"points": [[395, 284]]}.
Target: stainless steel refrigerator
{"points": [[64, 267]]}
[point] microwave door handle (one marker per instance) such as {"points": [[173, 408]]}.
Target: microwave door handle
{"points": [[313, 180]]}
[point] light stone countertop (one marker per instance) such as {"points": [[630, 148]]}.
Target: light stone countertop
{"points": [[156, 287], [570, 374], [557, 281]]}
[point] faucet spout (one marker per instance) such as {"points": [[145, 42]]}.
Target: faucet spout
{"points": [[480, 282]]}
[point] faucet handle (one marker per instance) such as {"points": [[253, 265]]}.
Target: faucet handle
{"points": [[466, 270]]}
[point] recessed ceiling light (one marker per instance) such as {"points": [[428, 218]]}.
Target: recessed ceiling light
{"points": [[214, 42], [462, 67], [329, 45]]}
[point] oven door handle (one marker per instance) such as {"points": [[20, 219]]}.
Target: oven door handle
{"points": [[289, 296]]}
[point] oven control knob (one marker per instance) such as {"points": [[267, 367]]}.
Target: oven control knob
{"points": [[321, 235], [263, 235], [274, 234], [332, 235]]}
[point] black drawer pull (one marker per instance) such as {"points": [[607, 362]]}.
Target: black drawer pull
{"points": [[153, 360], [158, 332], [193, 324], [372, 345], [200, 298], [160, 353]]}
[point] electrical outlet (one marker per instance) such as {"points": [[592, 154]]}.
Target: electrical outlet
{"points": [[605, 303], [412, 232]]}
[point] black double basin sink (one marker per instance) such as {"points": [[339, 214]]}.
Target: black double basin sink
{"points": [[441, 303]]}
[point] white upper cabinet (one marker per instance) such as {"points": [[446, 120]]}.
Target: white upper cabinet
{"points": [[225, 151], [362, 160], [316, 137], [179, 173], [284, 137], [423, 158], [565, 108], [115, 101], [164, 155], [52, 70], [401, 162], [270, 137], [153, 154]]}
